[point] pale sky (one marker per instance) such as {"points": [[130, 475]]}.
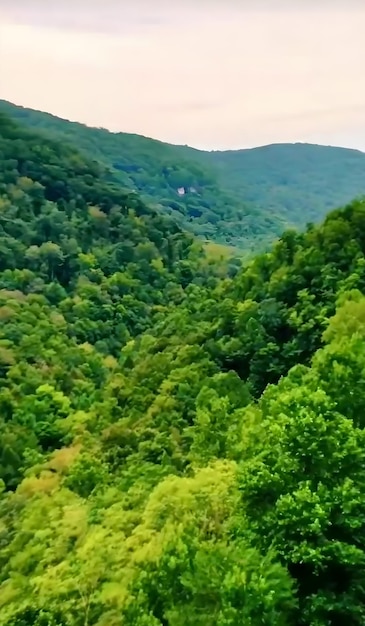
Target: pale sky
{"points": [[208, 73]]}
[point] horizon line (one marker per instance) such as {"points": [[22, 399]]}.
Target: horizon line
{"points": [[178, 145]]}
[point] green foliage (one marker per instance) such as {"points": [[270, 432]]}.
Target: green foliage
{"points": [[297, 183], [84, 267], [180, 444], [240, 198], [176, 184], [303, 487]]}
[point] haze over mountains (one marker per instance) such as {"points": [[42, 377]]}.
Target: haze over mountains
{"points": [[241, 198]]}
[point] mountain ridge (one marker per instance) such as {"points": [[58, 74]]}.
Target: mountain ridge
{"points": [[179, 145], [242, 198], [283, 144]]}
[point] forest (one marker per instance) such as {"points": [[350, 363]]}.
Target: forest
{"points": [[181, 440], [240, 198]]}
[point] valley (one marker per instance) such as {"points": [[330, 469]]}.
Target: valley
{"points": [[243, 198], [182, 436]]}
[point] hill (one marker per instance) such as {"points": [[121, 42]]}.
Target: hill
{"points": [[73, 245], [175, 449], [299, 182], [171, 181], [241, 198]]}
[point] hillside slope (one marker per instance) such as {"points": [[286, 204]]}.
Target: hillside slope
{"points": [[300, 182], [84, 268], [175, 450], [243, 198], [158, 171]]}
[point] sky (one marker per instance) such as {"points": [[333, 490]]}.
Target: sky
{"points": [[214, 74]]}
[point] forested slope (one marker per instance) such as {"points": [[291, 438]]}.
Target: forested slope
{"points": [[161, 173], [175, 449], [84, 268], [243, 198], [299, 182]]}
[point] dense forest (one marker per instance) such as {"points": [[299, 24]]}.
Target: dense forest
{"points": [[241, 198], [167, 179], [299, 182], [181, 440]]}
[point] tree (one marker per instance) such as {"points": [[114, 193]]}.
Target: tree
{"points": [[303, 488]]}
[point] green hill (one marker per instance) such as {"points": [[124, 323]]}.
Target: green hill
{"points": [[157, 171], [176, 449], [242, 198], [73, 245], [299, 182]]}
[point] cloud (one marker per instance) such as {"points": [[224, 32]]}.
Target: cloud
{"points": [[98, 16], [208, 73]]}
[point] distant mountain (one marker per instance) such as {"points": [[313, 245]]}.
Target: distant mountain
{"points": [[300, 182], [243, 198]]}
